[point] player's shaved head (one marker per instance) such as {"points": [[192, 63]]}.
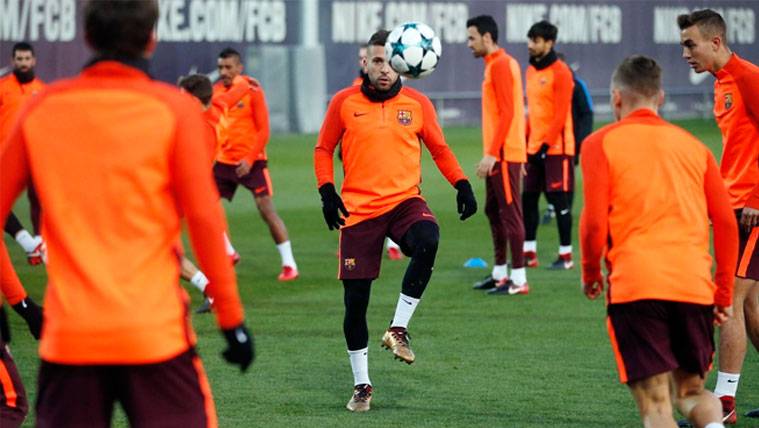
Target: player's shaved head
{"points": [[228, 53], [121, 28], [709, 23], [638, 76], [199, 86]]}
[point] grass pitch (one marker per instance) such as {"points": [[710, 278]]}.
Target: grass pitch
{"points": [[527, 361]]}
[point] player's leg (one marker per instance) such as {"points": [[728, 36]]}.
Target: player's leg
{"points": [[32, 245], [559, 184], [652, 396], [513, 223], [13, 403], [34, 208], [499, 274], [226, 183], [700, 406], [173, 393], [279, 234], [75, 396], [534, 183]]}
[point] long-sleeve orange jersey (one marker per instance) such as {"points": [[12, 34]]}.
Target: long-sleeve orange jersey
{"points": [[216, 113], [650, 190], [736, 109], [549, 109], [248, 131], [13, 94], [503, 121], [112, 182], [381, 149], [10, 285]]}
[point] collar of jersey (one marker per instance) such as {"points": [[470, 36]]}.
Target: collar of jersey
{"points": [[544, 62], [380, 96], [729, 68], [492, 56]]}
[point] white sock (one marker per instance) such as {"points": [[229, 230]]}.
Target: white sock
{"points": [[530, 246], [519, 276], [565, 249], [392, 244], [714, 425], [727, 384], [286, 253], [200, 281], [27, 242], [404, 310], [500, 272], [360, 366], [228, 245]]}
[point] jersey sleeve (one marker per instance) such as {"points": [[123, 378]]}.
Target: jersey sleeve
{"points": [[594, 229], [227, 99], [725, 232], [14, 168], [748, 85], [562, 102], [261, 121], [197, 196], [10, 285], [330, 135], [503, 83], [432, 137]]}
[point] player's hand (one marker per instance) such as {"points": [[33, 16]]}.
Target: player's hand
{"points": [[722, 314], [243, 169], [240, 349], [31, 312], [485, 167], [594, 288], [466, 204], [749, 218], [332, 206]]}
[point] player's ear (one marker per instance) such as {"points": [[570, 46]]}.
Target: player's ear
{"points": [[660, 98], [150, 47]]}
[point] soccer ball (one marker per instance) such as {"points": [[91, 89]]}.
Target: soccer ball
{"points": [[413, 49]]}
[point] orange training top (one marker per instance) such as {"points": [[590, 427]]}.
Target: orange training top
{"points": [[112, 197], [10, 285], [503, 122], [381, 149], [650, 190], [216, 113], [736, 109], [12, 95], [248, 131], [549, 113]]}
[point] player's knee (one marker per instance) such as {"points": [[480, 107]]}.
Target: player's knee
{"points": [[559, 201], [530, 198], [423, 239]]}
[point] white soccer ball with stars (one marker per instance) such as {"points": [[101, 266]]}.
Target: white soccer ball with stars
{"points": [[413, 49]]}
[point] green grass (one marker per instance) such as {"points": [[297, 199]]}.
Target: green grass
{"points": [[529, 361]]}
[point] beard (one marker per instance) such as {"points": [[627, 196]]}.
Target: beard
{"points": [[24, 76]]}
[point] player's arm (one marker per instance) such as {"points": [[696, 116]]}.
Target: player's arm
{"points": [[748, 85], [261, 121], [594, 218], [330, 135], [240, 86], [504, 98], [725, 233], [562, 93]]}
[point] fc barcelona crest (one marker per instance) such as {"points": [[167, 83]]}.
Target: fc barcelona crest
{"points": [[350, 264], [404, 117], [728, 100]]}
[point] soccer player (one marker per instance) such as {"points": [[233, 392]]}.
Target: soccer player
{"points": [[381, 123], [13, 401], [504, 155], [736, 110], [241, 160], [15, 89], [651, 189], [117, 331], [550, 143]]}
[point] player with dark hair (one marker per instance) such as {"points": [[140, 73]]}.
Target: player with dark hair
{"points": [[550, 143], [362, 49], [242, 160], [736, 110], [381, 123], [651, 191], [504, 155], [116, 331]]}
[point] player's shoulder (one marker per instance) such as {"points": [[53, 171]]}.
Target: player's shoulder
{"points": [[416, 95], [345, 93]]}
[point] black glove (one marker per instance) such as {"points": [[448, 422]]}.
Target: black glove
{"points": [[540, 156], [5, 331], [331, 203], [32, 314], [240, 349], [466, 204]]}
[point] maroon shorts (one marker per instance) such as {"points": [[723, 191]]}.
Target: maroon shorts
{"points": [[650, 337], [13, 404], [173, 393], [555, 174], [748, 255], [361, 245], [257, 180]]}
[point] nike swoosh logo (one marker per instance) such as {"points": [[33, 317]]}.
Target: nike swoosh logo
{"points": [[357, 114], [427, 215], [697, 78], [563, 212], [406, 302], [732, 381]]}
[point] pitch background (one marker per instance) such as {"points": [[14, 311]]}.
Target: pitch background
{"points": [[529, 361]]}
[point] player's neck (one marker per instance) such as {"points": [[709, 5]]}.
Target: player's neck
{"points": [[627, 110], [723, 57], [492, 49]]}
